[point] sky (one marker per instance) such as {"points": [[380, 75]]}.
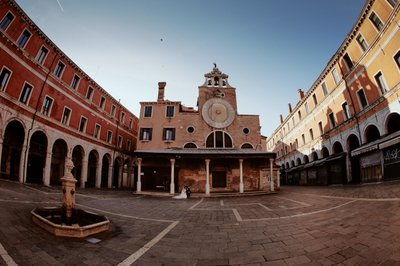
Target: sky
{"points": [[269, 49]]}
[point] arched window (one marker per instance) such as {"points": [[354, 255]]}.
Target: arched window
{"points": [[337, 147], [247, 146], [190, 145], [314, 156], [298, 161], [324, 152], [292, 163], [305, 159], [219, 139]]}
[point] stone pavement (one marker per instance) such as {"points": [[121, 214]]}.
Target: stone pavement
{"points": [[343, 225]]}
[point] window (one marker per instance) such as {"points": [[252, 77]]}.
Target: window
{"points": [[306, 107], [128, 145], [169, 134], [346, 111], [380, 81], [397, 58], [315, 99], [311, 134], [348, 61], [170, 111], [82, 124], [122, 118], [47, 103], [145, 133], [75, 82], [23, 39], [26, 93], [109, 136], [332, 120], [361, 41], [89, 93], [299, 113], [324, 89], [120, 141], [321, 130], [4, 77], [6, 21], [219, 139], [113, 110], [393, 2], [41, 56], [336, 77], [293, 122], [147, 111], [97, 129], [130, 123], [66, 116], [190, 129], [303, 138], [362, 98], [102, 102], [59, 69], [376, 21]]}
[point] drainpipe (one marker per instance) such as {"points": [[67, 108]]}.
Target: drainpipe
{"points": [[35, 114]]}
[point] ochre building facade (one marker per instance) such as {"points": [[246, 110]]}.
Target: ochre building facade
{"points": [[211, 148], [51, 109], [346, 127]]}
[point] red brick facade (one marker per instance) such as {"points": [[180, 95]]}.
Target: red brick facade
{"points": [[50, 108]]}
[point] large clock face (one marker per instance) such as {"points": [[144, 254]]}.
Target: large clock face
{"points": [[218, 113]]}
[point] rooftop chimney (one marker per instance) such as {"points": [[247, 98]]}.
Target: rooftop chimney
{"points": [[161, 87], [301, 93], [290, 108], [281, 119]]}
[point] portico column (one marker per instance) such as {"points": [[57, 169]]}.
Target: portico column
{"points": [[207, 177], [1, 148], [172, 185], [84, 172], [98, 175], [139, 172], [109, 180], [241, 185], [278, 179], [22, 164], [132, 176], [271, 161], [47, 169]]}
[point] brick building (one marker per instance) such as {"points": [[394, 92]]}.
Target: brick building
{"points": [[345, 128], [50, 109], [211, 149]]}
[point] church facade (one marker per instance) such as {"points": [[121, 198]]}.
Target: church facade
{"points": [[211, 148]]}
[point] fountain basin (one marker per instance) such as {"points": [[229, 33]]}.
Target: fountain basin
{"points": [[84, 223]]}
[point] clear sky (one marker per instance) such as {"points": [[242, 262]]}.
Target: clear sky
{"points": [[269, 49]]}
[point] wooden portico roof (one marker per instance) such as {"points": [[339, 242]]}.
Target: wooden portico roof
{"points": [[206, 153]]}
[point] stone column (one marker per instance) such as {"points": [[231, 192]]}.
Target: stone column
{"points": [[241, 185], [172, 185], [23, 162], [139, 176], [84, 172], [110, 172], [98, 175], [1, 148], [47, 169], [271, 181], [132, 176], [207, 177], [278, 179]]}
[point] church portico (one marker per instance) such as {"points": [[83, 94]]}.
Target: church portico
{"points": [[211, 148]]}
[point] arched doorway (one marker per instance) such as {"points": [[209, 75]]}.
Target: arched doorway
{"points": [[77, 158], [116, 171], [371, 134], [12, 148], [393, 123], [92, 166], [59, 151], [36, 158], [352, 144], [104, 170]]}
